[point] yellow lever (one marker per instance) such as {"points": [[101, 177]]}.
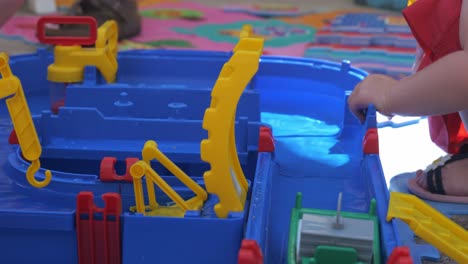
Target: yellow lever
{"points": [[143, 168], [23, 124]]}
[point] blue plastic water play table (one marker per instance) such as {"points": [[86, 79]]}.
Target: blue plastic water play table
{"points": [[162, 95]]}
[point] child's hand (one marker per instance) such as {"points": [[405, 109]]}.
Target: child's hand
{"points": [[372, 90]]}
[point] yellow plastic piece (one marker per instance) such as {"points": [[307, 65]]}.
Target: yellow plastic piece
{"points": [[143, 168], [70, 61], [429, 224], [226, 178], [18, 107], [246, 32], [410, 2]]}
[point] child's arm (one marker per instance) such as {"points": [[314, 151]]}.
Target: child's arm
{"points": [[440, 88]]}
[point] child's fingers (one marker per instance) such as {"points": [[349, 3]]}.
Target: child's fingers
{"points": [[356, 104], [360, 114], [359, 110]]}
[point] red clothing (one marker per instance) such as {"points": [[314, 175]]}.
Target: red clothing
{"points": [[435, 25]]}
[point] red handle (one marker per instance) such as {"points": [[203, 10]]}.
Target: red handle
{"points": [[67, 20]]}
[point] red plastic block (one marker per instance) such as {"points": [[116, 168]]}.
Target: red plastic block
{"points": [[250, 253], [370, 143], [98, 229], [107, 172], [266, 141], [400, 255], [67, 20], [13, 139]]}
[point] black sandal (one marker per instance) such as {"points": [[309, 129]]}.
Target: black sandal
{"points": [[434, 171]]}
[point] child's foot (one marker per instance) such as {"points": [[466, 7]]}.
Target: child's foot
{"points": [[446, 180], [454, 178]]}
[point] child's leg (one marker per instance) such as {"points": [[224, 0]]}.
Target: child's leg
{"points": [[449, 180], [454, 177]]}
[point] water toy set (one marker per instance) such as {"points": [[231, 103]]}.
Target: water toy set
{"points": [[159, 156]]}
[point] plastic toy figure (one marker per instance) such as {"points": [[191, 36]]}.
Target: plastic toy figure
{"points": [[438, 89], [124, 12]]}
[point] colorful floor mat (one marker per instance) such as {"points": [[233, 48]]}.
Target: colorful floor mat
{"points": [[376, 42], [269, 10]]}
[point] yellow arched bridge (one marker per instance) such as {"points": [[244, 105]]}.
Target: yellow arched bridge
{"points": [[225, 178]]}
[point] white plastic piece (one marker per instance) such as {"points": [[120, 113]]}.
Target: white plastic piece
{"points": [[316, 230], [42, 6], [298, 241], [338, 224]]}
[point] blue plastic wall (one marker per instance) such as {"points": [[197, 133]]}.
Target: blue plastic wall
{"points": [[258, 221]]}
